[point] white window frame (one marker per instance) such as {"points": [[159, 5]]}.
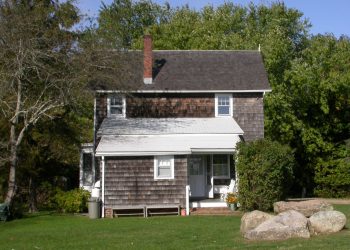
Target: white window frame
{"points": [[109, 106], [156, 160], [228, 168], [217, 105]]}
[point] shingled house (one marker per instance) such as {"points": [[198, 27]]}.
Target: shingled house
{"points": [[169, 141]]}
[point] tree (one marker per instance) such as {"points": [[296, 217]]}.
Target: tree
{"points": [[311, 110], [122, 22], [46, 71], [36, 74]]}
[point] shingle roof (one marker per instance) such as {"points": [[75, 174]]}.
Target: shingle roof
{"points": [[197, 70], [208, 70]]}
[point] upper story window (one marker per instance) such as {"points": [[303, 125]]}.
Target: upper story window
{"points": [[223, 105], [116, 105], [164, 167]]}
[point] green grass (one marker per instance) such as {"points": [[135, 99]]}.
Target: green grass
{"points": [[46, 231]]}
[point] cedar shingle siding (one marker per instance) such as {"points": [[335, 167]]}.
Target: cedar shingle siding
{"points": [[130, 181], [171, 105], [248, 111]]}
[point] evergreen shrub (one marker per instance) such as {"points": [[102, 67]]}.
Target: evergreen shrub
{"points": [[265, 172]]}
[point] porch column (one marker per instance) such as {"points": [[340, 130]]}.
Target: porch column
{"points": [[187, 200], [103, 186]]}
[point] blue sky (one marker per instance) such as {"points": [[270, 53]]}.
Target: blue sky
{"points": [[332, 16]]}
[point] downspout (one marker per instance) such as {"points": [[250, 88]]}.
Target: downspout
{"points": [[94, 146], [103, 186]]}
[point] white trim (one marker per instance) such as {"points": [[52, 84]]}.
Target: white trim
{"points": [[217, 95], [188, 200], [212, 150], [159, 153], [103, 186], [123, 107], [143, 153], [187, 91], [86, 148], [156, 159]]}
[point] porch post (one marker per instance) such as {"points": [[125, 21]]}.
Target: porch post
{"points": [[187, 200], [211, 193], [103, 186]]}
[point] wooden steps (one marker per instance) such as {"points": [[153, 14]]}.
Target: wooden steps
{"points": [[214, 211]]}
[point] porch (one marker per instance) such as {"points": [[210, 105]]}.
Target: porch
{"points": [[210, 178]]}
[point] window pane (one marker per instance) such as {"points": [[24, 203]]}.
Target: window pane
{"points": [[116, 100], [116, 110], [164, 171], [164, 163], [195, 165], [220, 165], [87, 169], [223, 100], [223, 110]]}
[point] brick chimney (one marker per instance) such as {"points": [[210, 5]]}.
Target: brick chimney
{"points": [[147, 59]]}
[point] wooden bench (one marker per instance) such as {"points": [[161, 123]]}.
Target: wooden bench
{"points": [[129, 211], [145, 211], [165, 209]]}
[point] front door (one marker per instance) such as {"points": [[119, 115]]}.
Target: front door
{"points": [[197, 173]]}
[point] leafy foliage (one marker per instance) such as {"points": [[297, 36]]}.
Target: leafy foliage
{"points": [[332, 175], [311, 110], [265, 170], [74, 201]]}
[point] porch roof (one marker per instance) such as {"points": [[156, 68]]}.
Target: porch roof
{"points": [[142, 145], [168, 126]]}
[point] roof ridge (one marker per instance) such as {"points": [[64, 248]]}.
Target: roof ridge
{"points": [[197, 50], [207, 50]]}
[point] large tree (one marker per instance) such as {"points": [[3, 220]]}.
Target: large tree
{"points": [[37, 75], [311, 109]]}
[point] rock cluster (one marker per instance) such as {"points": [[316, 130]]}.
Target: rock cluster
{"points": [[292, 222]]}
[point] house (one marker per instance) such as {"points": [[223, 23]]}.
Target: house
{"points": [[169, 140]]}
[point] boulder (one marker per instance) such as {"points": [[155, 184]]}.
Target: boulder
{"points": [[253, 219], [289, 224], [325, 222], [307, 208]]}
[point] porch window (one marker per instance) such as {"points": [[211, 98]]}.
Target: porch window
{"points": [[116, 105], [164, 167], [223, 105], [221, 166]]}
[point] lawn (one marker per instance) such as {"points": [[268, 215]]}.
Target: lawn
{"points": [[52, 231]]}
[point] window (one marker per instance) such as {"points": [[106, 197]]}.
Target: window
{"points": [[223, 105], [116, 105], [164, 167], [221, 166]]}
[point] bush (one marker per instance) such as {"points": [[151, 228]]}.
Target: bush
{"points": [[332, 175], [74, 201], [265, 172]]}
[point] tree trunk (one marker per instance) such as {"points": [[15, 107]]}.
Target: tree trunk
{"points": [[32, 197], [13, 164]]}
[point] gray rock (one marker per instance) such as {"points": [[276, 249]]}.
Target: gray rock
{"points": [[307, 208], [325, 222], [289, 224], [253, 219]]}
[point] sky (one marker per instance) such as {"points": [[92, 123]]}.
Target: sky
{"points": [[326, 16]]}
